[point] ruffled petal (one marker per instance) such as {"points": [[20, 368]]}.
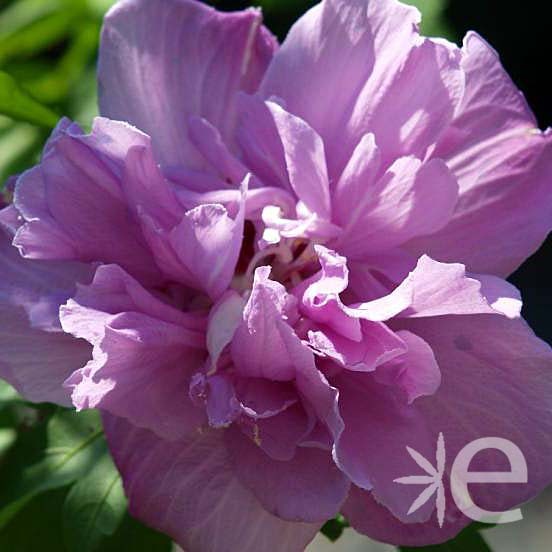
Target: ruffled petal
{"points": [[73, 204], [503, 164], [441, 289], [378, 425], [377, 346], [161, 63], [415, 372], [208, 242], [363, 44], [261, 344], [305, 160], [497, 379], [145, 353], [411, 199], [199, 247], [35, 356], [438, 289]]}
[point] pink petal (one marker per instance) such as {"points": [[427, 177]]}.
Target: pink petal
{"points": [[189, 490], [354, 42], [272, 416], [503, 164], [162, 63], [320, 300], [357, 179], [260, 347], [199, 247], [265, 345], [155, 207], [378, 425], [497, 379], [410, 199], [305, 160], [208, 141], [224, 318], [437, 289], [308, 487], [36, 362], [373, 277], [148, 193], [145, 353], [208, 242], [377, 346], [317, 391], [370, 518], [415, 372], [113, 291], [10, 219], [409, 111], [218, 396], [262, 398], [440, 289], [73, 203], [498, 366], [260, 142], [35, 356], [279, 435]]}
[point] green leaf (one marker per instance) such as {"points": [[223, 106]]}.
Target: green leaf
{"points": [[18, 143], [49, 456], [59, 489], [38, 36], [134, 536], [8, 394], [56, 83], [7, 439], [434, 21], [94, 508], [469, 539], [37, 526], [333, 529], [17, 104], [22, 13], [100, 7]]}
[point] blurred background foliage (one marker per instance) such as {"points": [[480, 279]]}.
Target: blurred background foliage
{"points": [[48, 52], [49, 48]]}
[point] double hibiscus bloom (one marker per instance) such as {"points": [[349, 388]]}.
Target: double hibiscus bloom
{"points": [[272, 268]]}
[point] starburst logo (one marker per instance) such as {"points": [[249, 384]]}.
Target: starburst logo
{"points": [[460, 477], [433, 480]]}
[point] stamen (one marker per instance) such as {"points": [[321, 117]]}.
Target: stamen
{"points": [[281, 251], [256, 435]]}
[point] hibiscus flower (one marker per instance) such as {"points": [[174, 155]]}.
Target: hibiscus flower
{"points": [[273, 268]]}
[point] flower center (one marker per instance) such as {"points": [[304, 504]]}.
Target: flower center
{"points": [[293, 260]]}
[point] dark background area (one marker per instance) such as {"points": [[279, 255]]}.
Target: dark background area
{"points": [[520, 32]]}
